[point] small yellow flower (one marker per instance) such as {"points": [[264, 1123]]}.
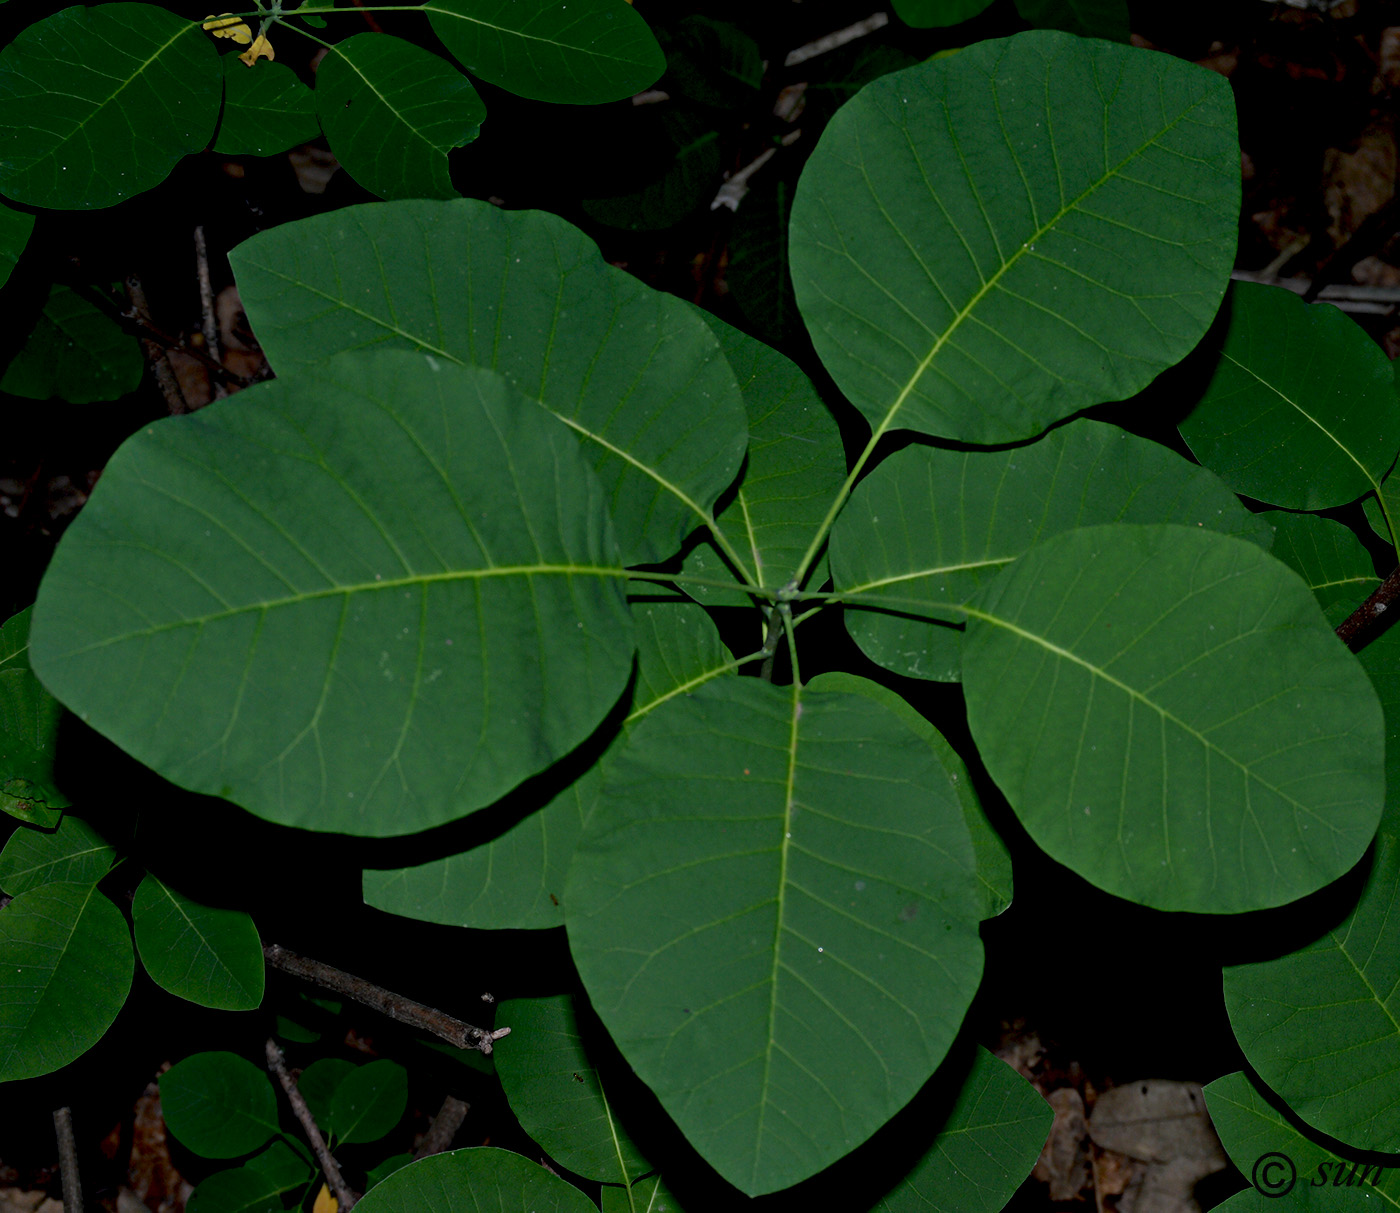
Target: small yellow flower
{"points": [[227, 26], [261, 49]]}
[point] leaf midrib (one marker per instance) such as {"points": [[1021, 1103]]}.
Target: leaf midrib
{"points": [[1132, 693], [522, 35]]}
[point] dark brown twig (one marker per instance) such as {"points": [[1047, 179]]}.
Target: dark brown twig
{"points": [[395, 1006], [344, 1198], [137, 315], [443, 1129], [68, 1161], [1361, 619], [208, 322]]}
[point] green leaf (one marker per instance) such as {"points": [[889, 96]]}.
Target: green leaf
{"points": [[205, 954], [1280, 1161], [1301, 409], [218, 1105], [29, 719], [986, 1147], [1328, 556], [648, 1195], [558, 1095], [986, 243], [690, 177], [65, 953], [266, 110], [369, 1101], [15, 228], [1321, 1025], [993, 859], [1171, 716], [795, 882], [758, 277], [712, 62], [468, 1181], [516, 880], [259, 1186], [76, 353], [98, 104], [795, 466], [320, 1081], [930, 14], [392, 111], [928, 528], [1381, 660], [338, 588], [395, 1162], [585, 52], [74, 853], [527, 294], [1087, 18]]}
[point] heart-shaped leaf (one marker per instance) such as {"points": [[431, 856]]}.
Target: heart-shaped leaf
{"points": [[99, 103], [66, 954], [634, 373], [988, 242], [929, 527], [392, 111], [1170, 715], [796, 882], [206, 954], [266, 110], [337, 587]]}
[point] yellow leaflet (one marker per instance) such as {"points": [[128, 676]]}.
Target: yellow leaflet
{"points": [[261, 49], [226, 26], [325, 1202]]}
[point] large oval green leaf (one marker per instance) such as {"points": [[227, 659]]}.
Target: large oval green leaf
{"points": [[993, 859], [29, 719], [516, 880], [557, 1093], [985, 1148], [374, 597], [1171, 716], [98, 104], [369, 1101], [206, 954], [796, 883], [392, 111], [795, 467], [1289, 1168], [65, 953], [1321, 1025], [73, 852], [218, 1104], [929, 527], [1301, 410], [986, 243], [480, 1180], [635, 373], [585, 52]]}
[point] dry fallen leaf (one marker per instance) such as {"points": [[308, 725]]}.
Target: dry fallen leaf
{"points": [[261, 49], [225, 25]]}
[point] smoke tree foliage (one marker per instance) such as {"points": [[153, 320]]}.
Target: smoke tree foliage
{"points": [[469, 542]]}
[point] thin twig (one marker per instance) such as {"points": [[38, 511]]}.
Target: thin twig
{"points": [[735, 187], [1361, 619], [137, 315], [209, 323], [443, 1129], [840, 37], [68, 1161], [770, 642], [395, 1006], [344, 1198]]}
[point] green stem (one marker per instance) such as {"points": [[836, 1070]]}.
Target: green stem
{"points": [[842, 494], [785, 609], [686, 687], [710, 582]]}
